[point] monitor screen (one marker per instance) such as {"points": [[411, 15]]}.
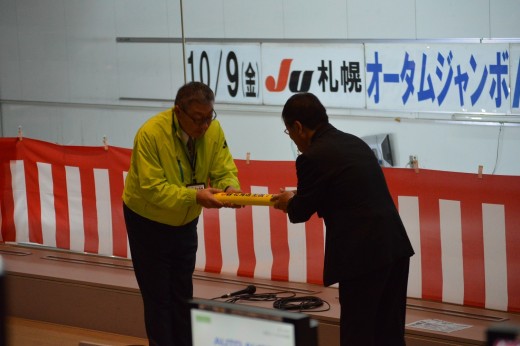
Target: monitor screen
{"points": [[380, 145], [219, 323]]}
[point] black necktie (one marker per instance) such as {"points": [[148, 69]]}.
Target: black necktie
{"points": [[191, 147]]}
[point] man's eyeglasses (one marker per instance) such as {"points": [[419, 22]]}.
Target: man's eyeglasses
{"points": [[201, 121], [286, 131]]}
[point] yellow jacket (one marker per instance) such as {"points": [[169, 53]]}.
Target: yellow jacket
{"points": [[155, 186]]}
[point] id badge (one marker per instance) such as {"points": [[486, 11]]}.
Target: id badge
{"points": [[196, 186]]}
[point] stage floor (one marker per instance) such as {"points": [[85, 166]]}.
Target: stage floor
{"points": [[24, 332], [99, 293]]}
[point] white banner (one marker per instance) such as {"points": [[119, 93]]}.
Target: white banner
{"points": [[334, 73], [438, 77], [232, 71]]}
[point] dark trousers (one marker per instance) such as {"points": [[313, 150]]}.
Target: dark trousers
{"points": [[373, 307], [164, 260]]}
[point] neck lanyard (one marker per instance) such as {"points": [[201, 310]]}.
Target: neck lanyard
{"points": [[192, 157]]}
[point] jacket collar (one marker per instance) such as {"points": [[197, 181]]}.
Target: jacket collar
{"points": [[176, 128], [321, 130]]}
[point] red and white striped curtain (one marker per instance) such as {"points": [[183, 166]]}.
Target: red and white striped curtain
{"points": [[465, 229]]}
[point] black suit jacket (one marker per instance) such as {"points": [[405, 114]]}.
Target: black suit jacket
{"points": [[340, 178]]}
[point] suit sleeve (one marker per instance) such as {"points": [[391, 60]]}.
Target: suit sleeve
{"points": [[311, 188]]}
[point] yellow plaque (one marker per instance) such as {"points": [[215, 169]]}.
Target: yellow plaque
{"points": [[245, 198]]}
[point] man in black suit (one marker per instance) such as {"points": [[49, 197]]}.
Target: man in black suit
{"points": [[367, 250]]}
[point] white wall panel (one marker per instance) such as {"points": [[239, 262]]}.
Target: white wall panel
{"points": [[204, 18], [119, 126], [452, 19], [504, 18], [176, 68], [45, 80], [381, 19], [46, 15], [457, 148], [8, 17], [75, 126], [261, 136], [151, 18], [92, 52], [92, 20], [10, 87], [174, 18], [44, 123], [253, 19], [145, 70], [42, 33], [328, 18], [94, 82]]}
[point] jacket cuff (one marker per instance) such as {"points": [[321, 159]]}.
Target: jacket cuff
{"points": [[191, 197]]}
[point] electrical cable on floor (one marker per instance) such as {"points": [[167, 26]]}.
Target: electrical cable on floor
{"points": [[283, 300], [259, 297], [302, 304]]}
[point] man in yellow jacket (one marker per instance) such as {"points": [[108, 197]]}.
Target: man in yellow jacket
{"points": [[180, 159]]}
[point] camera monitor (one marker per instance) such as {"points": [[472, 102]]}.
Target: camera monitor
{"points": [[380, 145], [218, 323]]}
